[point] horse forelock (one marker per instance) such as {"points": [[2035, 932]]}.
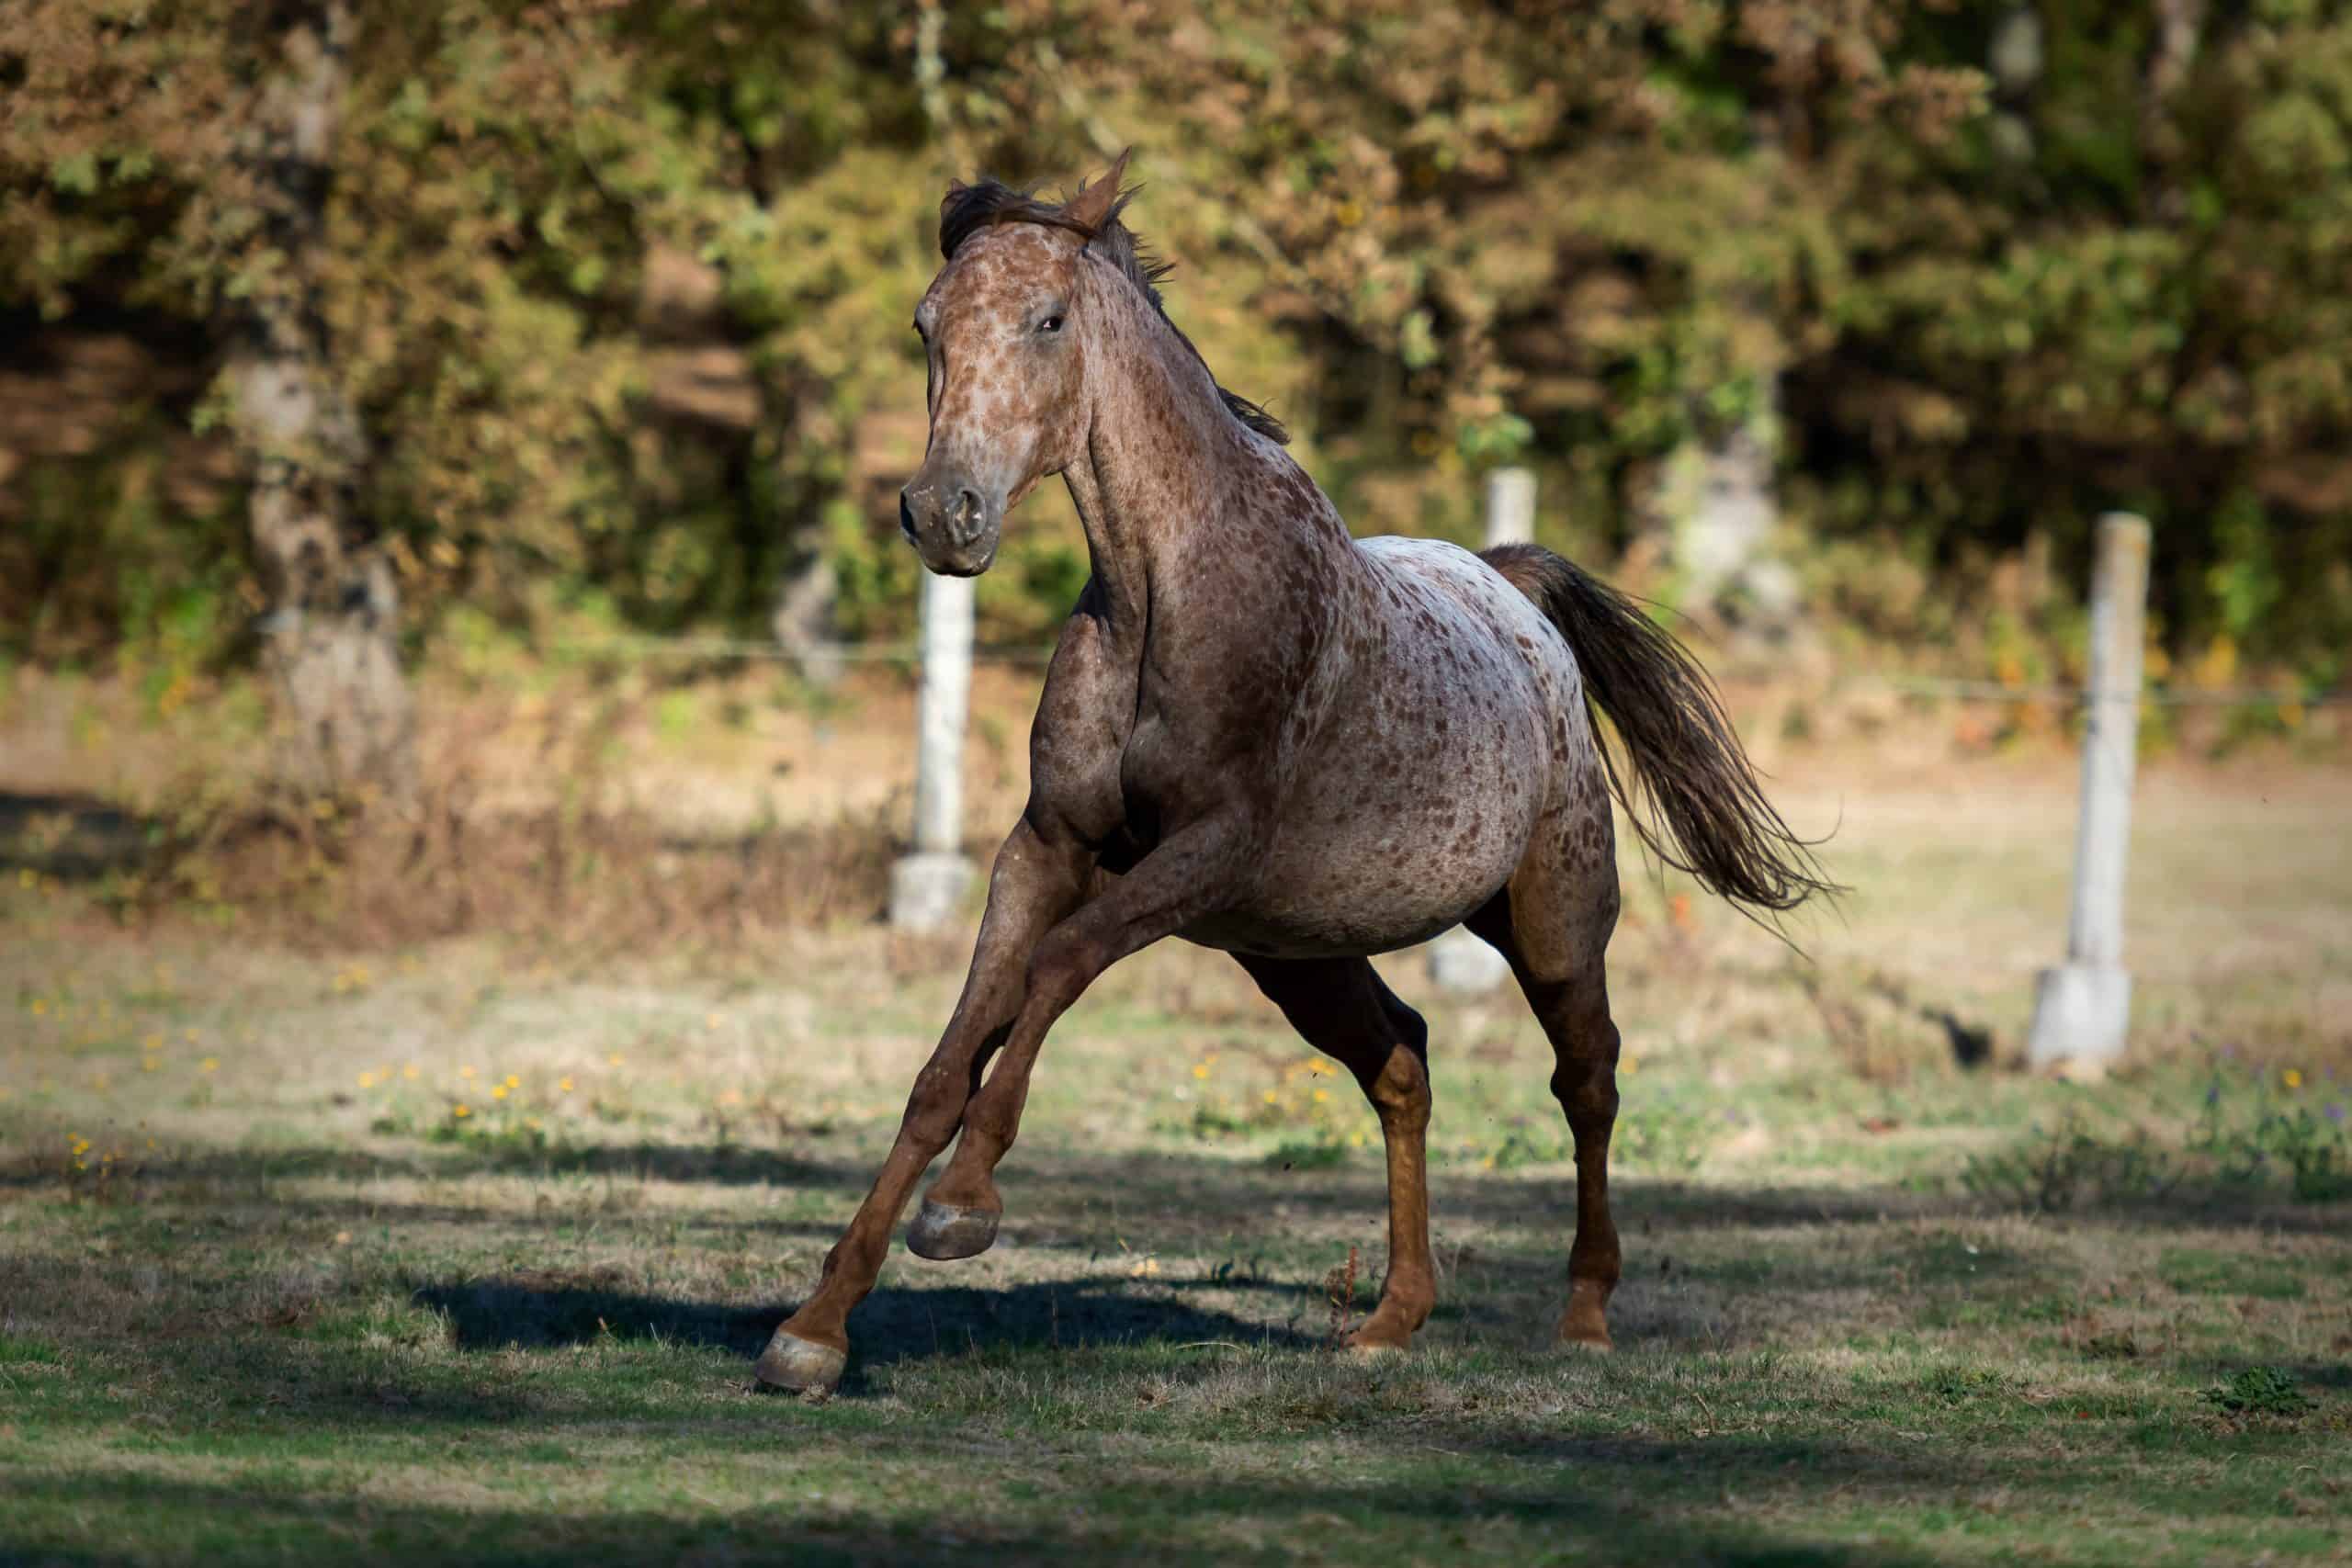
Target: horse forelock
{"points": [[970, 208]]}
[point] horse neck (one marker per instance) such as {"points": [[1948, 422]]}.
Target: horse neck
{"points": [[1163, 457]]}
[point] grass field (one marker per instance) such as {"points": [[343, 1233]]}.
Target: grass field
{"points": [[268, 1294]]}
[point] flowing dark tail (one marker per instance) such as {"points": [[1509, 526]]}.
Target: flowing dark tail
{"points": [[1690, 791]]}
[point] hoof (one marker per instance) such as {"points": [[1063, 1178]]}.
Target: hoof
{"points": [[793, 1365], [1585, 1325], [1368, 1349], [942, 1231]]}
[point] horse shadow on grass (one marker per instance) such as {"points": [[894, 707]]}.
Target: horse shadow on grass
{"points": [[895, 1324]]}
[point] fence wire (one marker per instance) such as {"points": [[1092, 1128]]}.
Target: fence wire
{"points": [[1037, 655], [2157, 696]]}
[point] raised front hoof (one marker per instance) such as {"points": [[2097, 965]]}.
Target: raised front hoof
{"points": [[943, 1232], [793, 1365]]}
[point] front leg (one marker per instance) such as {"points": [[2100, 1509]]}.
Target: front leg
{"points": [[1193, 872], [1036, 884]]}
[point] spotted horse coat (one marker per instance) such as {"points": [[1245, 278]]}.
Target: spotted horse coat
{"points": [[1264, 736]]}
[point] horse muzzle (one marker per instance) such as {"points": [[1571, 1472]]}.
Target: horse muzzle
{"points": [[954, 525]]}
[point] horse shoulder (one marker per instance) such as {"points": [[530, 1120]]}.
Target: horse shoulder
{"points": [[1084, 720]]}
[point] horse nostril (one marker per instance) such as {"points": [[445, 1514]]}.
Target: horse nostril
{"points": [[906, 518], [966, 519]]}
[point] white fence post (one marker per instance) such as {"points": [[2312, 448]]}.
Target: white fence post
{"points": [[2082, 1008], [1459, 962], [927, 887]]}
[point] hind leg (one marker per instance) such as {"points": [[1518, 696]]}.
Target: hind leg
{"points": [[1344, 1010], [1553, 922]]}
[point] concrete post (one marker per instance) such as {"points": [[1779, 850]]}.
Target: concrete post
{"points": [[927, 887], [1459, 962], [1510, 507], [2082, 1008]]}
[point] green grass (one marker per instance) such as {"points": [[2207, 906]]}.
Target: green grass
{"points": [[266, 1297], [271, 1354]]}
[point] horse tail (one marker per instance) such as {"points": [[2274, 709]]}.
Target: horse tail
{"points": [[1690, 791]]}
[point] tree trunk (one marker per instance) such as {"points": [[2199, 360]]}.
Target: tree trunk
{"points": [[1714, 507], [803, 622], [2180, 29], [334, 624]]}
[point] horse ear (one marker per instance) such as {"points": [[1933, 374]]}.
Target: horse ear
{"points": [[954, 188], [1097, 202]]}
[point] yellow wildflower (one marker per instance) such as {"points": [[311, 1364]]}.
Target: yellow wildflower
{"points": [[564, 1083], [1321, 1095], [1200, 1069], [2292, 1079], [614, 1060], [462, 1111], [153, 1042], [410, 1071], [210, 1064], [1272, 1098], [498, 1092], [512, 1081], [465, 1072], [367, 1081]]}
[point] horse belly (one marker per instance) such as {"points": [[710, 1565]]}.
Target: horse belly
{"points": [[1385, 861], [1416, 800]]}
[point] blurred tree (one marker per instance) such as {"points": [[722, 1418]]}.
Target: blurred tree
{"points": [[333, 626], [618, 289]]}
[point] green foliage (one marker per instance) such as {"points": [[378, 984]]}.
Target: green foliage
{"points": [[2070, 1164], [1983, 293], [2259, 1391], [2257, 1137], [1952, 1386], [2255, 1134]]}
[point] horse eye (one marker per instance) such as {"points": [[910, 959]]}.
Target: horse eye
{"points": [[1050, 324]]}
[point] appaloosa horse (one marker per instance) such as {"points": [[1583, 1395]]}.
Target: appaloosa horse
{"points": [[1264, 736]]}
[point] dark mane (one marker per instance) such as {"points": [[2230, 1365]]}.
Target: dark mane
{"points": [[970, 208]]}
